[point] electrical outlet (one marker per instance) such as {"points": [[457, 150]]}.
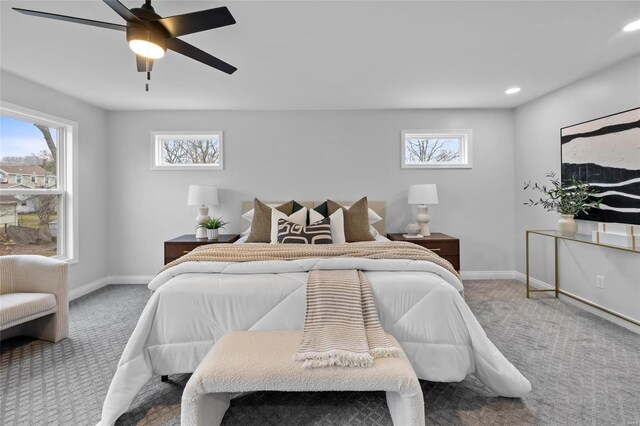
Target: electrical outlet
{"points": [[599, 281]]}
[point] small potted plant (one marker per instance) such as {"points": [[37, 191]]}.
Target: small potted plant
{"points": [[212, 226], [568, 199]]}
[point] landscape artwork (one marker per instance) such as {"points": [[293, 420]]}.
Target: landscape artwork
{"points": [[605, 152]]}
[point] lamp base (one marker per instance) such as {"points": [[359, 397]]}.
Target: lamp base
{"points": [[424, 230], [422, 217], [203, 216]]}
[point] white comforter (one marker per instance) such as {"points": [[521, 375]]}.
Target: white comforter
{"points": [[419, 303]]}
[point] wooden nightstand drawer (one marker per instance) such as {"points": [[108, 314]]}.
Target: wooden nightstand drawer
{"points": [[443, 245], [178, 247], [177, 250], [441, 248]]}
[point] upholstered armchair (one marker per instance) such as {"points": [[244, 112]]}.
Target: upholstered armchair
{"points": [[33, 297]]}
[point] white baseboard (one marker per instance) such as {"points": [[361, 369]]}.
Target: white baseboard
{"points": [[88, 288], [487, 275], [117, 279], [533, 282], [130, 279]]}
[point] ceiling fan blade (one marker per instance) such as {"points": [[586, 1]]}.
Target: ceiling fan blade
{"points": [[123, 11], [193, 52], [141, 63], [202, 20], [91, 22]]}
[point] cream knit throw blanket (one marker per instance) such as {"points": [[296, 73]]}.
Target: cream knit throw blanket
{"points": [[341, 326], [262, 252]]}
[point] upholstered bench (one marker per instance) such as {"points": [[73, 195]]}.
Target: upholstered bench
{"points": [[248, 361]]}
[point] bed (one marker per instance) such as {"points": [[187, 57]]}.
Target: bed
{"points": [[194, 303]]}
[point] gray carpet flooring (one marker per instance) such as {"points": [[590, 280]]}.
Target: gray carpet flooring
{"points": [[584, 371]]}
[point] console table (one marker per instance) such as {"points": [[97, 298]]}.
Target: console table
{"points": [[579, 238]]}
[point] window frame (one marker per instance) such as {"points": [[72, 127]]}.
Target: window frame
{"points": [[466, 148], [66, 176], [157, 149]]}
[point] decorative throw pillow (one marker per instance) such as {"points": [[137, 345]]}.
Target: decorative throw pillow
{"points": [[316, 233], [323, 209], [299, 218], [373, 216], [356, 220], [261, 222], [337, 224], [248, 216]]}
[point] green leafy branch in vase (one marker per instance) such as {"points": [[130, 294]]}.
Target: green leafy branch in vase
{"points": [[569, 197]]}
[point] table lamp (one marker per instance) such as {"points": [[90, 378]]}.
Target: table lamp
{"points": [[422, 195], [202, 196]]}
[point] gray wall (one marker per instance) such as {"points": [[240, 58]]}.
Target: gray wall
{"points": [[126, 210], [537, 151], [92, 153], [310, 155]]}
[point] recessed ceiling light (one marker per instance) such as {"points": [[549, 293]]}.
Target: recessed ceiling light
{"points": [[633, 26], [512, 90]]}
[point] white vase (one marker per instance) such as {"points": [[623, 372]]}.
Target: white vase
{"points": [[412, 229], [567, 225], [212, 234]]}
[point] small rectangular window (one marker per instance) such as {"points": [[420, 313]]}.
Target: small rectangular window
{"points": [[436, 149], [186, 150]]}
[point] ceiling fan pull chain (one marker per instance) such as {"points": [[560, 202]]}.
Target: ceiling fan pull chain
{"points": [[146, 61]]}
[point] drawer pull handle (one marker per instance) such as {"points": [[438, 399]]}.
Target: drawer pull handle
{"points": [[435, 249], [186, 251]]}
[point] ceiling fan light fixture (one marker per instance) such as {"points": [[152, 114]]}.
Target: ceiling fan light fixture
{"points": [[632, 26], [146, 43], [146, 48]]}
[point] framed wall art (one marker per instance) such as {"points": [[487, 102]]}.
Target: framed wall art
{"points": [[605, 152]]}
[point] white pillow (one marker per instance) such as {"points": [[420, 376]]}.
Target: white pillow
{"points": [[336, 222], [374, 231], [373, 216], [299, 218]]}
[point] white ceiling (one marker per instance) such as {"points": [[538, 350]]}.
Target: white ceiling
{"points": [[329, 54]]}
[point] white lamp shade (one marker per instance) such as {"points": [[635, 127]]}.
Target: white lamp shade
{"points": [[202, 195], [426, 193]]}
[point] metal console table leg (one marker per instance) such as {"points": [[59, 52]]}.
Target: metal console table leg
{"points": [[556, 289]]}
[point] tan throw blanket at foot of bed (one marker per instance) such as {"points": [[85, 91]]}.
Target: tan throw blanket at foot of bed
{"points": [[341, 325]]}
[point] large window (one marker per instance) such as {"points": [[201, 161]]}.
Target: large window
{"points": [[186, 150], [436, 149], [36, 186]]}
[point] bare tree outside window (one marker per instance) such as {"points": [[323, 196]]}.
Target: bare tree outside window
{"points": [[191, 151], [425, 150], [186, 150], [436, 149]]}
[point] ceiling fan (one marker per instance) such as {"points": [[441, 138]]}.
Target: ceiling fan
{"points": [[150, 35]]}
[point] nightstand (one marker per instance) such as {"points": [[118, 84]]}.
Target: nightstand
{"points": [[182, 245], [443, 245]]}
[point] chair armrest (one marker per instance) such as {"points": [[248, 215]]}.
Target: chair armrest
{"points": [[39, 274]]}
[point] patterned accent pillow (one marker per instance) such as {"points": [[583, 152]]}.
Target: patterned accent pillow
{"points": [[316, 233]]}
